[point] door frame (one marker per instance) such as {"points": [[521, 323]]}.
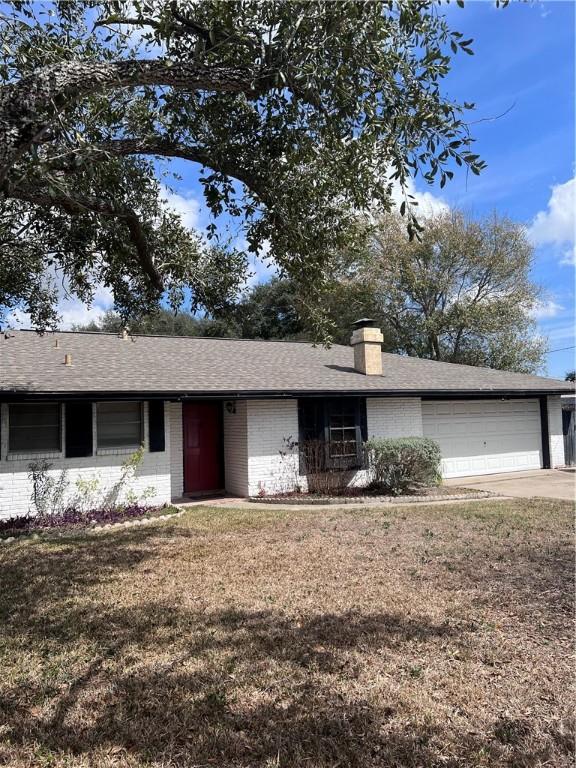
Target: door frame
{"points": [[221, 469]]}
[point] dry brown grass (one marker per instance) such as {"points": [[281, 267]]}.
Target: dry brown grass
{"points": [[429, 636]]}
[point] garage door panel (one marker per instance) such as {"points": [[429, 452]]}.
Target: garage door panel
{"points": [[453, 449], [483, 437]]}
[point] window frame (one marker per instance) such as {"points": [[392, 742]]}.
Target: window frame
{"points": [[28, 451], [319, 427], [123, 447]]}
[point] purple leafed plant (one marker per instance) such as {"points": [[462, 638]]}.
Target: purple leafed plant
{"points": [[72, 518]]}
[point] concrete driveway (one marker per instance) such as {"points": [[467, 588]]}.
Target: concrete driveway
{"points": [[551, 483]]}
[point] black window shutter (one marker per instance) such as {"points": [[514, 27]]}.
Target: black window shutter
{"points": [[326, 435], [363, 418], [156, 436], [310, 425], [78, 429], [301, 437]]}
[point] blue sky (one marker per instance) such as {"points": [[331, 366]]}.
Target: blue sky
{"points": [[522, 71], [524, 63]]}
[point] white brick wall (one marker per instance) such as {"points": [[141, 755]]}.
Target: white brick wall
{"points": [[555, 431], [236, 447], [176, 450], [16, 487], [394, 416], [271, 422]]}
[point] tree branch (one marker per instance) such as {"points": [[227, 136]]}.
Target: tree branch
{"points": [[76, 206], [161, 147], [128, 21], [166, 148], [28, 107], [190, 24]]}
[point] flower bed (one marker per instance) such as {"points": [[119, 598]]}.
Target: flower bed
{"points": [[363, 495], [70, 519]]}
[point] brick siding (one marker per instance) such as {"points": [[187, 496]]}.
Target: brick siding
{"points": [[106, 466]]}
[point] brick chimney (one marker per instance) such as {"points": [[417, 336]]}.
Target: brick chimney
{"points": [[367, 343]]}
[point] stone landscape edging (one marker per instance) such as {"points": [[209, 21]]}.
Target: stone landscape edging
{"points": [[49, 534], [298, 501]]}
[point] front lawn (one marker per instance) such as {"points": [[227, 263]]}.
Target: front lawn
{"points": [[404, 636]]}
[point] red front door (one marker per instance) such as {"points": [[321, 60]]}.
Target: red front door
{"points": [[202, 428]]}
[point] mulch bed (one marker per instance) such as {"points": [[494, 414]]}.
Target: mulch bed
{"points": [[362, 497], [74, 521]]}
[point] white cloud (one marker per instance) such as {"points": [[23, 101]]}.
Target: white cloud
{"points": [[76, 313], [569, 257], [556, 225], [546, 309], [71, 311], [428, 204], [190, 209], [560, 334]]}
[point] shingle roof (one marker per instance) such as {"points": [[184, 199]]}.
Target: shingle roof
{"points": [[106, 363]]}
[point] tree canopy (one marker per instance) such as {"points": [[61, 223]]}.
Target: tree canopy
{"points": [[462, 293], [164, 322], [299, 115]]}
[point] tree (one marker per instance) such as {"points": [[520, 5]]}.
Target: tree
{"points": [[267, 311], [461, 294], [272, 310], [570, 376], [300, 116], [164, 322]]}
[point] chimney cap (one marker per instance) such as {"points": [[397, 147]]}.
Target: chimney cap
{"points": [[364, 322]]}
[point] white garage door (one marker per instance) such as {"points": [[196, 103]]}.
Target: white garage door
{"points": [[479, 437]]}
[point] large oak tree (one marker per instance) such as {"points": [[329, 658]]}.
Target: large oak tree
{"points": [[299, 115]]}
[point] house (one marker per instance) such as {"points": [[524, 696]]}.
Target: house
{"points": [[225, 414]]}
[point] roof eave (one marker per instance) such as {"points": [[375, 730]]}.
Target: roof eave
{"points": [[19, 394]]}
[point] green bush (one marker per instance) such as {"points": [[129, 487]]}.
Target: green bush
{"points": [[398, 464]]}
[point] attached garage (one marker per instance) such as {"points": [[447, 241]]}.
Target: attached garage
{"points": [[481, 437]]}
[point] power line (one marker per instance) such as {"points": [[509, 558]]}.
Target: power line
{"points": [[562, 349]]}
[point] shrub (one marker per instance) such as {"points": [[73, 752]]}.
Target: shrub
{"points": [[48, 492], [397, 464], [322, 478]]}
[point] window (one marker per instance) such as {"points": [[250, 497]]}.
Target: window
{"points": [[34, 427], [336, 427], [119, 425], [343, 435]]}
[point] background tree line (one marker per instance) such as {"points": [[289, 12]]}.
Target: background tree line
{"points": [[462, 293]]}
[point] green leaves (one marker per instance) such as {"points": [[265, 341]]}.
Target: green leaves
{"points": [[304, 114], [461, 292]]}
